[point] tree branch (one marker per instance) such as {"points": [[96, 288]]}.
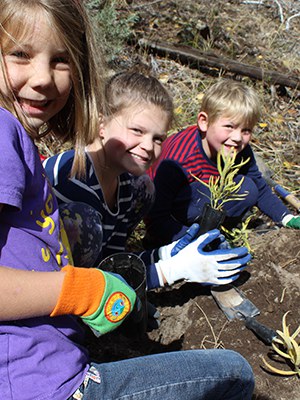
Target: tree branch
{"points": [[196, 59]]}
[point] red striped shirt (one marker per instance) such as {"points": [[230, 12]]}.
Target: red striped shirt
{"points": [[185, 148]]}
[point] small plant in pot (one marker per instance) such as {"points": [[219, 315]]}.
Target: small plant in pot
{"points": [[222, 189]]}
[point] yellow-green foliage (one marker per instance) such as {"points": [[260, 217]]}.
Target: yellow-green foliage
{"points": [[239, 236], [288, 348], [223, 188]]}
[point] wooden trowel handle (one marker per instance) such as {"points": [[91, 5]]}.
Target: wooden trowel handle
{"points": [[290, 198], [263, 332]]}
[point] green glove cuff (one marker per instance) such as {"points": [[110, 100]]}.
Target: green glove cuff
{"points": [[294, 223], [117, 302]]}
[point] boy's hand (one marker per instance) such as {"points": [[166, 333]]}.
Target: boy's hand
{"points": [[101, 299], [291, 221], [194, 264]]}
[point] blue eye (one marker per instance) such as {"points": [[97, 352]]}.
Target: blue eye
{"points": [[19, 54], [63, 60], [137, 131], [159, 140]]}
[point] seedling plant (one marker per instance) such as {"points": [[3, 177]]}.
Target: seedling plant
{"points": [[286, 346], [223, 188], [239, 236]]}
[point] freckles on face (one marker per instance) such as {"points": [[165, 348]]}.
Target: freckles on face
{"points": [[148, 131], [137, 125]]}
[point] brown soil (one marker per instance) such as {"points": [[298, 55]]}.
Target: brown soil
{"points": [[190, 318], [272, 284]]}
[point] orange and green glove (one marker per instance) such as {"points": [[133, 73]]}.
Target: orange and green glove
{"points": [[100, 298]]}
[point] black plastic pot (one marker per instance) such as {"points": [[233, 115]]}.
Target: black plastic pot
{"points": [[133, 270], [210, 218]]}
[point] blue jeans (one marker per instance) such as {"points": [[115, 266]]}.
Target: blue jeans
{"points": [[189, 375]]}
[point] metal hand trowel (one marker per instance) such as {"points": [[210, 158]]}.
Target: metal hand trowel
{"points": [[235, 305]]}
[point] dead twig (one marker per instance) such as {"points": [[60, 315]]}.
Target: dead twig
{"points": [[280, 12], [289, 262], [136, 6], [282, 295], [217, 344]]}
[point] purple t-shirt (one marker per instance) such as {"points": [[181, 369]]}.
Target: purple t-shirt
{"points": [[40, 358]]}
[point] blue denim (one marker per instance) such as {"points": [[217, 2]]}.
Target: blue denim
{"points": [[183, 375]]}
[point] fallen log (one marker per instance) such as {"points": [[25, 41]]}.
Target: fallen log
{"points": [[195, 58]]}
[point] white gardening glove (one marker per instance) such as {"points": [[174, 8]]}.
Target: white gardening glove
{"points": [[194, 264], [173, 248]]}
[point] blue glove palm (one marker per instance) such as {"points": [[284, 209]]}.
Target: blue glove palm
{"points": [[173, 248], [194, 264]]}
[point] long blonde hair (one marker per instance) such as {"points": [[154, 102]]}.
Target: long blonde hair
{"points": [[78, 121]]}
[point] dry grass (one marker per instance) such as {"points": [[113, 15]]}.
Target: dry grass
{"points": [[250, 33], [277, 136]]}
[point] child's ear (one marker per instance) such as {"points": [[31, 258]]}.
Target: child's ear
{"points": [[202, 121], [101, 127]]}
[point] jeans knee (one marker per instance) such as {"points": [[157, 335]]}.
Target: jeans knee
{"points": [[243, 373]]}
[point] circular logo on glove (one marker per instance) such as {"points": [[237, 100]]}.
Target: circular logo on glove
{"points": [[117, 307]]}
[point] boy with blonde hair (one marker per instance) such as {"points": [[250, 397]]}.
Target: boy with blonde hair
{"points": [[228, 114]]}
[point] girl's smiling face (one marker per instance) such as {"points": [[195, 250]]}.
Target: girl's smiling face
{"points": [[38, 72], [223, 132], [132, 139]]}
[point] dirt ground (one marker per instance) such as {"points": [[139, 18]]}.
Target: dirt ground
{"points": [[190, 318], [272, 284]]}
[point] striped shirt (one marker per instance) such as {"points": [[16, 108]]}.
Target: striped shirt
{"points": [[116, 223], [185, 149], [88, 190]]}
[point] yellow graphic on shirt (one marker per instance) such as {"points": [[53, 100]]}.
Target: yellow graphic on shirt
{"points": [[46, 219], [46, 254], [47, 222]]}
